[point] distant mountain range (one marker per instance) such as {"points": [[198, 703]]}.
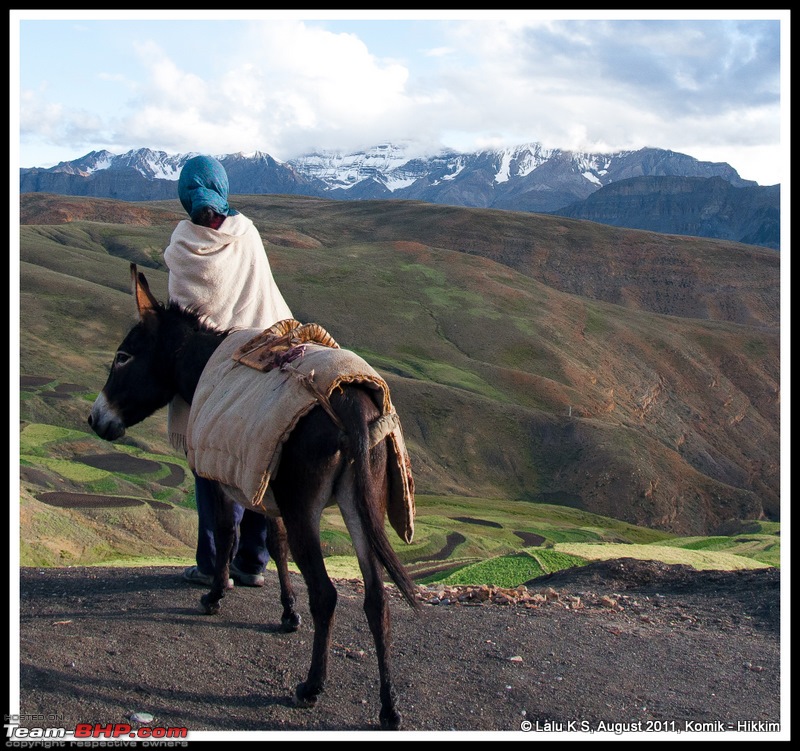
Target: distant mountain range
{"points": [[650, 188]]}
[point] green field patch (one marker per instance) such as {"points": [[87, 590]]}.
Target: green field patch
{"points": [[553, 533], [335, 542], [176, 458], [180, 562], [37, 435], [699, 559], [766, 528], [699, 543], [427, 545], [449, 375], [501, 571], [442, 571], [419, 363], [340, 567], [144, 466], [167, 495], [59, 536], [765, 548], [755, 348], [507, 570], [415, 365], [426, 272], [73, 471], [555, 560], [596, 321], [478, 542], [554, 523], [108, 485], [448, 296]]}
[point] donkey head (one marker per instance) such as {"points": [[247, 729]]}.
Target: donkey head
{"points": [[139, 382]]}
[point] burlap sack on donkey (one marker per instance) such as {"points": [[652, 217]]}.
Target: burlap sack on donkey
{"points": [[249, 399]]}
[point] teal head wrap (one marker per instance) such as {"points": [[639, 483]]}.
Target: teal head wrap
{"points": [[204, 182]]}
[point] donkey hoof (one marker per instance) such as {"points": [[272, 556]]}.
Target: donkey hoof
{"points": [[210, 607], [290, 623], [304, 698], [391, 720]]}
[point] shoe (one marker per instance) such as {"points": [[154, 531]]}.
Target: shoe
{"points": [[194, 575], [246, 580]]}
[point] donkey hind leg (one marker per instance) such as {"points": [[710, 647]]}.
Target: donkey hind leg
{"points": [[279, 552], [303, 537], [376, 606], [224, 542]]}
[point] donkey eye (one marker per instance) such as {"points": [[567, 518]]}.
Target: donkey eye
{"points": [[121, 358]]}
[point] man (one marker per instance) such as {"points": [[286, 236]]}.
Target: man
{"points": [[218, 265]]}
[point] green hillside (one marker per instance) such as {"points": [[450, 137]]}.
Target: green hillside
{"points": [[508, 387]]}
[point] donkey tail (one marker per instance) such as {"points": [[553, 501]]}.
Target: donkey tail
{"points": [[368, 505]]}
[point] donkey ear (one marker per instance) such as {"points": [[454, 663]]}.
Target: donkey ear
{"points": [[145, 302]]}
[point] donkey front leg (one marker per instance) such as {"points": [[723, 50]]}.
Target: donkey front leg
{"points": [[305, 546], [279, 552], [224, 542]]}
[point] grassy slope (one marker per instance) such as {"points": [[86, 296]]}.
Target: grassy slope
{"points": [[553, 387]]}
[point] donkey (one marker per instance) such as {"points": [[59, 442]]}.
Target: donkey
{"points": [[321, 462]]}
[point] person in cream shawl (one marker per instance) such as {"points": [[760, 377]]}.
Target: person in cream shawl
{"points": [[218, 265]]}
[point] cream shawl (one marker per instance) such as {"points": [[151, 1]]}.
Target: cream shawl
{"points": [[225, 275]]}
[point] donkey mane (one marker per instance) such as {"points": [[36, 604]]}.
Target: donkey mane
{"points": [[193, 316]]}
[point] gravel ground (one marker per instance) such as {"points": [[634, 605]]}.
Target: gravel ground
{"points": [[616, 646]]}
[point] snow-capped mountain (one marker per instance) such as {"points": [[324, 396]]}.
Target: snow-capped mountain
{"points": [[337, 169], [154, 165], [528, 177]]}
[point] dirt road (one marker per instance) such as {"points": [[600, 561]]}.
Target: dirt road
{"points": [[612, 646]]}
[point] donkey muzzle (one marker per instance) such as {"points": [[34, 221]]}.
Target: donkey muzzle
{"points": [[105, 421]]}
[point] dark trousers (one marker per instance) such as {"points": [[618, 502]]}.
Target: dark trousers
{"points": [[250, 549]]}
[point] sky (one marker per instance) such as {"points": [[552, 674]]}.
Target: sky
{"points": [[713, 85]]}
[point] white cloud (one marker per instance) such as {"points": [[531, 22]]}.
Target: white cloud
{"points": [[296, 86], [325, 88], [286, 86]]}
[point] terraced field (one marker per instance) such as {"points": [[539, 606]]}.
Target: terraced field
{"points": [[88, 502]]}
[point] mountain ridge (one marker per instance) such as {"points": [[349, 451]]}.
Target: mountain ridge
{"points": [[526, 178], [701, 207]]}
